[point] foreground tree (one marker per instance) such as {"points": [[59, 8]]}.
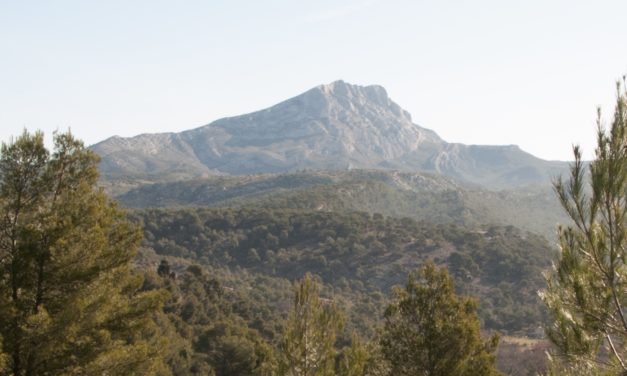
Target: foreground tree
{"points": [[308, 346], [69, 302], [431, 331], [362, 359], [354, 359], [587, 290]]}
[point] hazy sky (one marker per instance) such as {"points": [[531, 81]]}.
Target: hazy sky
{"points": [[486, 72]]}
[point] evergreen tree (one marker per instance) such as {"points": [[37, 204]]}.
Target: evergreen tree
{"points": [[430, 331], [234, 349], [206, 336], [309, 342], [587, 290], [238, 356], [362, 359], [69, 301], [164, 270], [3, 360], [354, 358]]}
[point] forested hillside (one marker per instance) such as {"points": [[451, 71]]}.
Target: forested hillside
{"points": [[421, 196], [360, 256]]}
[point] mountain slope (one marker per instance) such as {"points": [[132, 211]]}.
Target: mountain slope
{"points": [[336, 126], [421, 196]]}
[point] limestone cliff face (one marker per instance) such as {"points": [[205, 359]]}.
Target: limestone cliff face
{"points": [[330, 127]]}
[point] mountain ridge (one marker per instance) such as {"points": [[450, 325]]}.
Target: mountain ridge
{"points": [[334, 126]]}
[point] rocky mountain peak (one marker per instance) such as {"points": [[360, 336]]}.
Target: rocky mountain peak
{"points": [[354, 98], [341, 89]]}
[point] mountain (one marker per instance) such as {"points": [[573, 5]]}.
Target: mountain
{"points": [[338, 126]]}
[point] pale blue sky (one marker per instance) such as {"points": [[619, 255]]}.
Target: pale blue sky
{"points": [[490, 72]]}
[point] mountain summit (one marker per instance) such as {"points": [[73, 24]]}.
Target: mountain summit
{"points": [[333, 126]]}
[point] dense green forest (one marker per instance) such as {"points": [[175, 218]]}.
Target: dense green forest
{"points": [[360, 256], [215, 328]]}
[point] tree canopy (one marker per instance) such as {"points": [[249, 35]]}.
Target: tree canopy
{"points": [[69, 300], [308, 345], [587, 290], [432, 332]]}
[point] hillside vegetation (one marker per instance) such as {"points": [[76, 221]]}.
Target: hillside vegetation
{"points": [[420, 196], [359, 257]]}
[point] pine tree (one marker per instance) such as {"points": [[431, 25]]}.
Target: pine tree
{"points": [[430, 331], [308, 345], [587, 290], [69, 301], [3, 360], [362, 359], [354, 358]]}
